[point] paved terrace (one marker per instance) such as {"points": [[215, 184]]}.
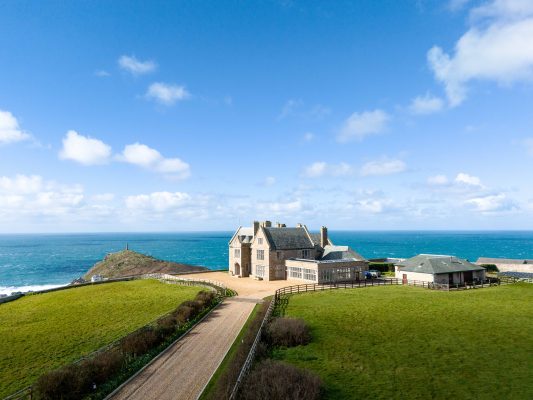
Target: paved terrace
{"points": [[186, 367]]}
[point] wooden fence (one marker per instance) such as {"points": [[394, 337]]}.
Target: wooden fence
{"points": [[251, 355]]}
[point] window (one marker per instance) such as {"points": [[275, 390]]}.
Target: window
{"points": [[306, 253], [260, 254], [260, 270], [279, 255], [259, 240], [310, 274], [237, 253], [295, 272]]}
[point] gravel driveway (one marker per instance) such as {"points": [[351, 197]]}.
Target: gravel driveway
{"points": [[183, 370]]}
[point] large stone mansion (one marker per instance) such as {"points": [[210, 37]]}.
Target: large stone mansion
{"points": [[279, 252]]}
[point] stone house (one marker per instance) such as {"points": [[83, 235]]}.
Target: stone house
{"points": [[279, 252], [441, 269]]}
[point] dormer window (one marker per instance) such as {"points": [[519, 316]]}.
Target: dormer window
{"points": [[259, 240], [306, 253]]}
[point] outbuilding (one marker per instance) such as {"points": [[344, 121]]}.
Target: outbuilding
{"points": [[440, 269]]}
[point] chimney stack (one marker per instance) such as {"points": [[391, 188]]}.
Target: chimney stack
{"points": [[323, 236], [267, 224], [256, 227], [299, 225]]}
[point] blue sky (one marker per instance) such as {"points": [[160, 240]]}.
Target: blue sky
{"points": [[171, 116]]}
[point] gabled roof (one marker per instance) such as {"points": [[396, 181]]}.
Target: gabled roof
{"points": [[288, 238], [487, 260], [244, 235], [437, 264], [340, 253]]}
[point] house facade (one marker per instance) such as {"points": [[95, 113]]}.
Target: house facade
{"points": [[279, 252], [441, 269], [508, 264]]}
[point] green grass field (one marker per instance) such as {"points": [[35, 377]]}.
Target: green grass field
{"points": [[42, 332], [412, 343]]}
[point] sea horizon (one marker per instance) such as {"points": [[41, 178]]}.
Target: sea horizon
{"points": [[35, 261]]}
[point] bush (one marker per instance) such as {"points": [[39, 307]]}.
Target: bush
{"points": [[65, 383], [183, 314], [105, 365], [381, 266], [139, 343], [205, 299], [166, 325], [276, 380], [288, 332], [490, 267]]}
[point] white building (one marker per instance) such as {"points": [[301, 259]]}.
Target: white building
{"points": [[439, 269]]}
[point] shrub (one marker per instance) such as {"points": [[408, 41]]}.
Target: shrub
{"points": [[490, 267], [205, 298], [183, 314], [106, 364], [276, 380], [65, 383], [166, 325], [139, 343], [288, 332]]}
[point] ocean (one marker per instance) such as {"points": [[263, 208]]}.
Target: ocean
{"points": [[33, 262]]}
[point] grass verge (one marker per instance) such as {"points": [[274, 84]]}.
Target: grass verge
{"points": [[43, 332], [404, 342]]}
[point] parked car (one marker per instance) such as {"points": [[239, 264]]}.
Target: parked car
{"points": [[372, 273]]}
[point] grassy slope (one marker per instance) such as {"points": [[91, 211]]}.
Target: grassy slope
{"points": [[127, 262], [42, 332], [404, 342]]}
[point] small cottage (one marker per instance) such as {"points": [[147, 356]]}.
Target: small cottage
{"points": [[439, 269]]}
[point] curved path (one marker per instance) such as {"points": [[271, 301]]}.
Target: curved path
{"points": [[186, 367]]}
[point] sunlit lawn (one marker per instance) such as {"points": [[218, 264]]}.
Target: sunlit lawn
{"points": [[42, 332], [413, 343]]}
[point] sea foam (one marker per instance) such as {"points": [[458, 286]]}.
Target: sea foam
{"points": [[7, 290]]}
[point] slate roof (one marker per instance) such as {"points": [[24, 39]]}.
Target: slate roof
{"points": [[340, 253], [245, 235], [487, 260], [437, 264], [288, 238]]}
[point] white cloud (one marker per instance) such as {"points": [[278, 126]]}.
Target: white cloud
{"points": [[491, 203], [297, 108], [135, 66], [438, 180], [102, 73], [146, 157], [103, 197], [321, 168], [158, 201], [383, 167], [497, 47], [426, 104], [280, 208], [21, 184], [166, 94], [360, 125], [466, 179], [10, 131], [84, 149], [32, 195]]}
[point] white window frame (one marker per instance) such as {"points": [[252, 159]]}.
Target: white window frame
{"points": [[260, 271], [260, 255], [237, 253]]}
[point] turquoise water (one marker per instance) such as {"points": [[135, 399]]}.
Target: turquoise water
{"points": [[34, 261]]}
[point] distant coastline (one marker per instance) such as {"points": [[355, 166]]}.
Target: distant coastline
{"points": [[28, 261]]}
